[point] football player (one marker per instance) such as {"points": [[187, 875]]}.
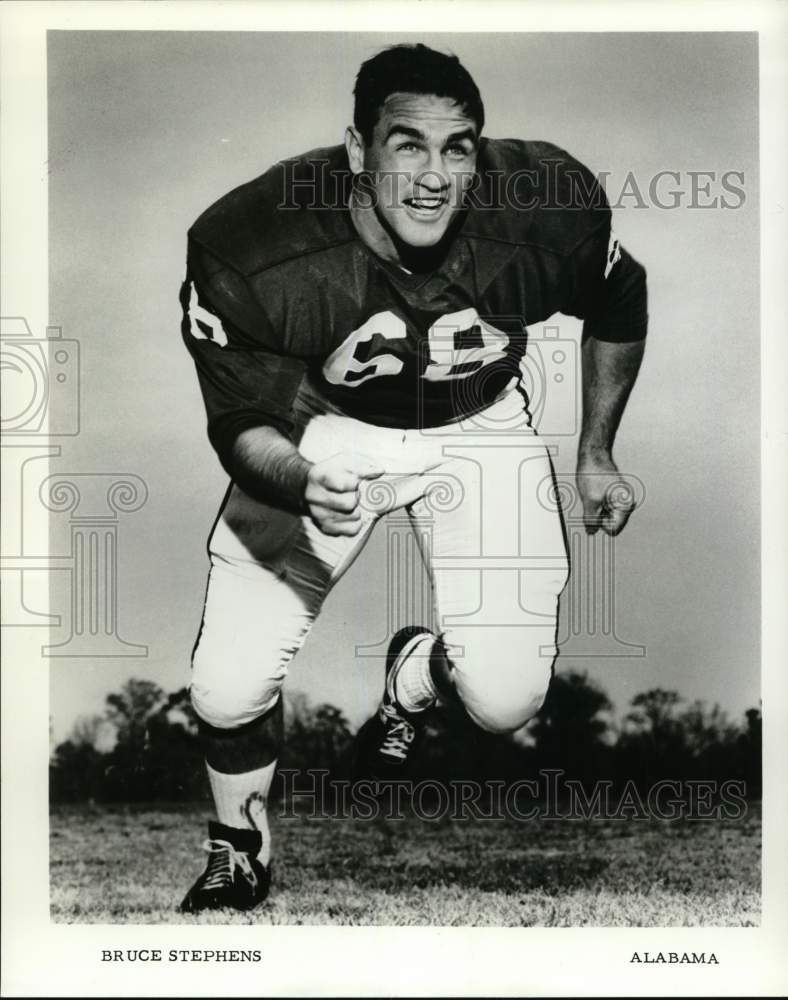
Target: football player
{"points": [[356, 315]]}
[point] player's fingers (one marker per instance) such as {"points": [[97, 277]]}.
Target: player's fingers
{"points": [[615, 519], [347, 526], [344, 472], [343, 503], [324, 510], [592, 515], [338, 481], [618, 505]]}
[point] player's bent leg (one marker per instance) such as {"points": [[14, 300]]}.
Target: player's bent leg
{"points": [[497, 623], [499, 669], [256, 617]]}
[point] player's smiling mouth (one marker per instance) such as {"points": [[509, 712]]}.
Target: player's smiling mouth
{"points": [[425, 206]]}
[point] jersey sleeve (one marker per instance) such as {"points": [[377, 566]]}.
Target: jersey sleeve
{"points": [[608, 289], [245, 382]]}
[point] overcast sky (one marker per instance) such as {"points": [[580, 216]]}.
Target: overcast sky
{"points": [[148, 129]]}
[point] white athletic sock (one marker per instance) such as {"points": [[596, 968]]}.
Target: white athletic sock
{"points": [[241, 801], [414, 687]]}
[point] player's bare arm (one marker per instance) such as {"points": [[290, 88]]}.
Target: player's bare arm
{"points": [[269, 467], [609, 372]]}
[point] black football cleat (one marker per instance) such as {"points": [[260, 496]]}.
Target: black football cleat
{"points": [[233, 876], [387, 743]]}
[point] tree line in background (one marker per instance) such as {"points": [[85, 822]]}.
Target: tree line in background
{"points": [[145, 747]]}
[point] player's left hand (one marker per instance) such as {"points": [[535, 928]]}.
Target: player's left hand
{"points": [[608, 500]]}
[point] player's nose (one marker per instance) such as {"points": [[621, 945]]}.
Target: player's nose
{"points": [[431, 185], [434, 179]]}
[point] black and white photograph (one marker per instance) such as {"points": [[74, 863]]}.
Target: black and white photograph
{"points": [[393, 500]]}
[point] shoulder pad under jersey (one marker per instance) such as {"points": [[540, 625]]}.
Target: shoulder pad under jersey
{"points": [[297, 207], [534, 193]]}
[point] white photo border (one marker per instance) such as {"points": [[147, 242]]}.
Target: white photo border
{"points": [[40, 957]]}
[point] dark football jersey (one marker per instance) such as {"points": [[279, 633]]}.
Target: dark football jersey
{"points": [[280, 286]]}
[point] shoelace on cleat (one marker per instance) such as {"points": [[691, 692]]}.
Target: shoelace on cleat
{"points": [[222, 864], [399, 736]]}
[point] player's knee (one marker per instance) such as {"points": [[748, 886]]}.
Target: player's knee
{"points": [[504, 699], [508, 716], [227, 709], [232, 690]]}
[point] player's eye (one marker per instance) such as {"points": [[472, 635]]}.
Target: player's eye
{"points": [[407, 146], [457, 150]]}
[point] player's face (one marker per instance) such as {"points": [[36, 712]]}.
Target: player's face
{"points": [[421, 160]]}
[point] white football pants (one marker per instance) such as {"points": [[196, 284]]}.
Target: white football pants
{"points": [[495, 553]]}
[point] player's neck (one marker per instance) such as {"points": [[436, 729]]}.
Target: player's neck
{"points": [[383, 242]]}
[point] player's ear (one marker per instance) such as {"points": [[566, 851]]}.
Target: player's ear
{"points": [[354, 144]]}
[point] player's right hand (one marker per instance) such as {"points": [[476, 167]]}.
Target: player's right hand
{"points": [[332, 492]]}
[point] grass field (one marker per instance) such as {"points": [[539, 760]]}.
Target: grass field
{"points": [[133, 865]]}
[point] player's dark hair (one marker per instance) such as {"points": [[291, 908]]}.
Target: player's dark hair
{"points": [[412, 69]]}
